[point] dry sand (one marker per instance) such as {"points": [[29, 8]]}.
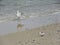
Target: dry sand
{"points": [[32, 37]]}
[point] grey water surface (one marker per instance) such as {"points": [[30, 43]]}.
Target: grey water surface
{"points": [[45, 9]]}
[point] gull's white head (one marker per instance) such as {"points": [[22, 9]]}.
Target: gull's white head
{"points": [[18, 14]]}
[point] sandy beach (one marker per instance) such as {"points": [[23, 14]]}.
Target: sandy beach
{"points": [[32, 37], [34, 29]]}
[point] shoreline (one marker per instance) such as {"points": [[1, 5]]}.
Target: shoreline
{"points": [[27, 37]]}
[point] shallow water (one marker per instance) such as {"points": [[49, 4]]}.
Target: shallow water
{"points": [[11, 26], [46, 13]]}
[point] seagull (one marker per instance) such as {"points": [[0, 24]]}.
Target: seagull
{"points": [[19, 15]]}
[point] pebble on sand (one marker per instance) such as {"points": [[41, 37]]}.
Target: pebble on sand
{"points": [[41, 34]]}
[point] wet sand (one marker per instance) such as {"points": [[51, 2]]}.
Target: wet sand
{"points": [[32, 37]]}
